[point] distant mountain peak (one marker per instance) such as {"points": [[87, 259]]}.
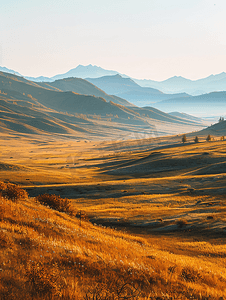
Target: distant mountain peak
{"points": [[176, 79], [118, 76], [89, 71]]}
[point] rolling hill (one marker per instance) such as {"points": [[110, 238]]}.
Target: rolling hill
{"points": [[217, 130], [84, 87], [27, 107]]}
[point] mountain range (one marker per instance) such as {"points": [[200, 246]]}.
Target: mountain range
{"points": [[53, 109], [127, 89], [127, 92], [79, 72], [204, 105], [176, 84]]}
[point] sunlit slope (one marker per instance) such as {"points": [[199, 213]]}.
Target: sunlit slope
{"points": [[16, 118], [70, 101], [21, 116], [48, 253], [20, 95], [68, 161], [162, 157]]}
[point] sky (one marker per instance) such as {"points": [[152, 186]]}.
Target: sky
{"points": [[151, 39]]}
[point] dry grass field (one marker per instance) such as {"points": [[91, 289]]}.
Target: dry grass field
{"points": [[136, 219]]}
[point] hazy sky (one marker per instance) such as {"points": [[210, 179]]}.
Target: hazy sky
{"points": [[153, 39]]}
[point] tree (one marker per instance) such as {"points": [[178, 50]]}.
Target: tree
{"points": [[221, 119], [208, 138], [196, 139], [184, 139]]}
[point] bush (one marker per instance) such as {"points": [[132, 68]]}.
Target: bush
{"points": [[56, 202], [13, 192], [184, 139], [182, 222], [190, 275]]}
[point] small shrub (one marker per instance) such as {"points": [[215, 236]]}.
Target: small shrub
{"points": [[56, 202], [190, 275], [81, 216], [14, 192], [182, 222]]}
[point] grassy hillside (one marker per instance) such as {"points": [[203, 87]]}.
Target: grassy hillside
{"points": [[97, 203], [108, 236], [47, 254]]}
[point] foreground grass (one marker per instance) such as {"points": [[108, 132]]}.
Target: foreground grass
{"points": [[47, 254]]}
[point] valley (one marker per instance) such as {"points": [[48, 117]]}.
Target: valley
{"points": [[144, 172], [112, 150], [135, 214]]}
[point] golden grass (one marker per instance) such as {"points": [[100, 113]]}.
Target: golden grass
{"points": [[46, 254]]}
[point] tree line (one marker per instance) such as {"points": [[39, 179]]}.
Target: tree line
{"points": [[196, 139]]}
